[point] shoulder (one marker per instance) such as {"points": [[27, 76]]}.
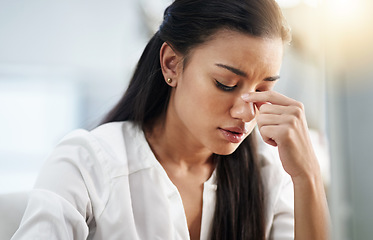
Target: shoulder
{"points": [[115, 147], [96, 154], [89, 161], [109, 132]]}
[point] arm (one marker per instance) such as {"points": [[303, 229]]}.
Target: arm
{"points": [[310, 208], [60, 205], [281, 122]]}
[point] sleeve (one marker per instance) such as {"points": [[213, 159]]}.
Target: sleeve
{"points": [[283, 220], [69, 189]]}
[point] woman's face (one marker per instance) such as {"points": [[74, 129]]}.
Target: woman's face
{"points": [[206, 103]]}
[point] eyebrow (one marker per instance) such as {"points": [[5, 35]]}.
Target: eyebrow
{"points": [[232, 69], [243, 74]]}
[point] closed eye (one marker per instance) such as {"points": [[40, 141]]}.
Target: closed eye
{"points": [[224, 87]]}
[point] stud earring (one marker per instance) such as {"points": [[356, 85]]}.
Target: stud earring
{"points": [[169, 80]]}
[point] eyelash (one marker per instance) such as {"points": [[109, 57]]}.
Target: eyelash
{"points": [[224, 87], [229, 89]]}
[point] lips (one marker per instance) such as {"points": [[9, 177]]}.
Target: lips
{"points": [[233, 134]]}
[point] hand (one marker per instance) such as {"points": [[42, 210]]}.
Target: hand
{"points": [[282, 123]]}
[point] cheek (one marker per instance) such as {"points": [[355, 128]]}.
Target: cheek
{"points": [[210, 102], [197, 95]]}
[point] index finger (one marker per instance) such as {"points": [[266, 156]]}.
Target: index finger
{"points": [[268, 97]]}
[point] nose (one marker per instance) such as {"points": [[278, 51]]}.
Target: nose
{"points": [[243, 110]]}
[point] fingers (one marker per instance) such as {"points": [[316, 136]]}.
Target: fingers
{"points": [[277, 117], [259, 98], [274, 119], [282, 123], [270, 103], [277, 114], [269, 134], [266, 108]]}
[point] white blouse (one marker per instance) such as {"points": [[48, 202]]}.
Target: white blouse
{"points": [[107, 184]]}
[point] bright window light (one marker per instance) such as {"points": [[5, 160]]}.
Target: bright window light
{"points": [[288, 3], [342, 11], [313, 3], [294, 3]]}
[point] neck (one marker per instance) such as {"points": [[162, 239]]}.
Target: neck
{"points": [[171, 146]]}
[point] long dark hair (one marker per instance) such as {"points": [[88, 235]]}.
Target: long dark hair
{"points": [[239, 210]]}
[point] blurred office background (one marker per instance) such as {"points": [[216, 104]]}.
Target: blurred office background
{"points": [[64, 64]]}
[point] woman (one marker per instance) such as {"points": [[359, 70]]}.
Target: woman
{"points": [[177, 157]]}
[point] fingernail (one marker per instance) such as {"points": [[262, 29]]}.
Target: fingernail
{"points": [[245, 96]]}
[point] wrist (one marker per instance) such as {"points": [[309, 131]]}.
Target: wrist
{"points": [[307, 180]]}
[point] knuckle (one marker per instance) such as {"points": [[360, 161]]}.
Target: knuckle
{"points": [[298, 112], [287, 134], [300, 106], [293, 121]]}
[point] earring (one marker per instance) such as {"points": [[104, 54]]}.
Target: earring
{"points": [[169, 80]]}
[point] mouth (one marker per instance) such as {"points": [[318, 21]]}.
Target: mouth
{"points": [[234, 134]]}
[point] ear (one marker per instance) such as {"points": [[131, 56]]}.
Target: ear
{"points": [[170, 64]]}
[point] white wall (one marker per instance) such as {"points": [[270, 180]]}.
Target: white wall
{"points": [[98, 40], [63, 64]]}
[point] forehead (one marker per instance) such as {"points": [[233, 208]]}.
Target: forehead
{"points": [[240, 50]]}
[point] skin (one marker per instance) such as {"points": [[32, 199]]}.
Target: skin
{"points": [[191, 131]]}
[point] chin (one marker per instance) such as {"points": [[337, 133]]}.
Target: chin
{"points": [[227, 150]]}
